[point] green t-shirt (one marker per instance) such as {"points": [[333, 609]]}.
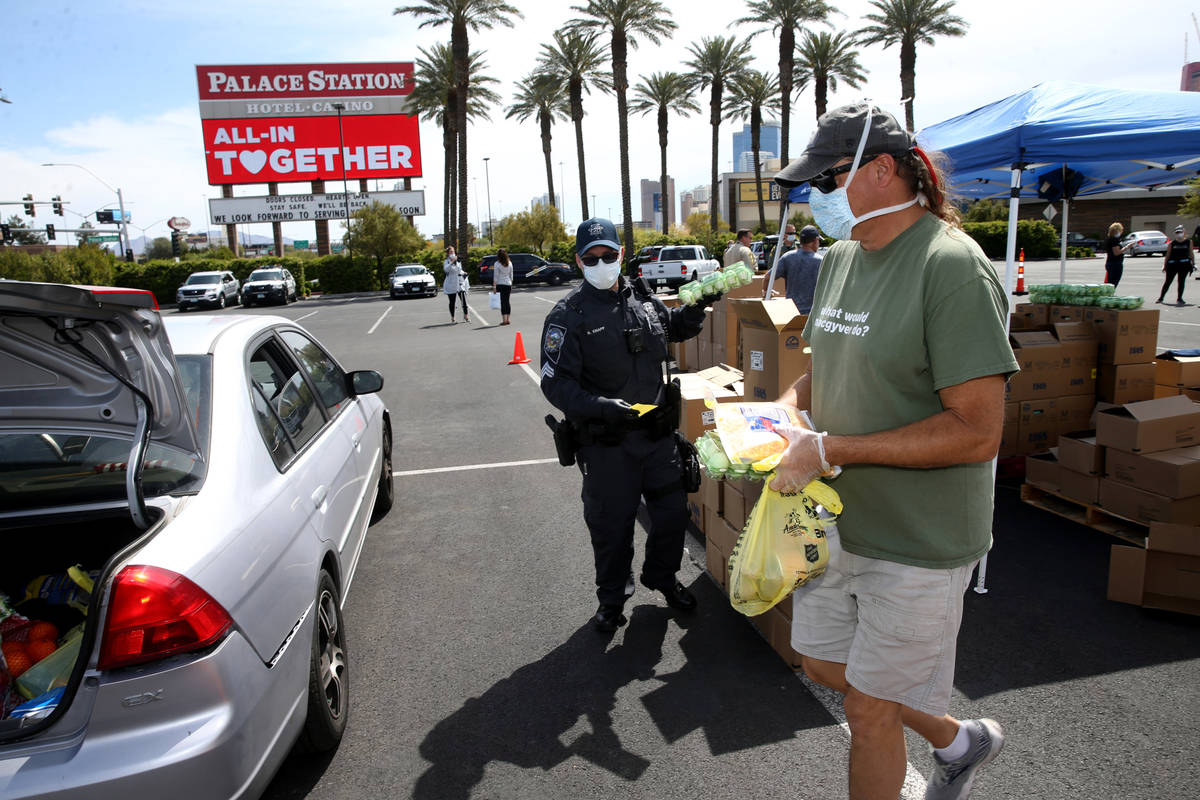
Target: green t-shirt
{"points": [[890, 328]]}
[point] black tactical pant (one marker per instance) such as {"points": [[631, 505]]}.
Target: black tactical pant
{"points": [[615, 479]]}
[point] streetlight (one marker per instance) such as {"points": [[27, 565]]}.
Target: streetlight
{"points": [[562, 203], [120, 203], [345, 190], [487, 179], [593, 205]]}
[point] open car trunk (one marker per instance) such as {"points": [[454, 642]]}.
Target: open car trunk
{"points": [[52, 634]]}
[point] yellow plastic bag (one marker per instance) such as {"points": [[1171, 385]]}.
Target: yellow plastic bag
{"points": [[782, 546]]}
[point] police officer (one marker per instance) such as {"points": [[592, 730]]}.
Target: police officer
{"points": [[604, 348]]}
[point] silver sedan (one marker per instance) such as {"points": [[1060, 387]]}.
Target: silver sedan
{"points": [[1146, 243], [216, 477]]}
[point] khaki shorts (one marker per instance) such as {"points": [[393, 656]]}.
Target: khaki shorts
{"points": [[894, 626]]}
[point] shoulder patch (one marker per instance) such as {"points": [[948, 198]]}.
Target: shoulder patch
{"points": [[552, 343]]}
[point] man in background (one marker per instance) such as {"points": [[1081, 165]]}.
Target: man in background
{"points": [[799, 269]]}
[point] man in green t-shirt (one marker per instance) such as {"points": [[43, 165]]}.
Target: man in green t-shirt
{"points": [[909, 360]]}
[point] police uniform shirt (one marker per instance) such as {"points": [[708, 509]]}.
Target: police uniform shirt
{"points": [[586, 353]]}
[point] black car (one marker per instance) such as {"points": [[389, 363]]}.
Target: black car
{"points": [[646, 255], [1079, 240], [528, 268], [269, 285]]}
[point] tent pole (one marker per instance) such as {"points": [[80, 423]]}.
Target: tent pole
{"points": [[1062, 259], [783, 221]]}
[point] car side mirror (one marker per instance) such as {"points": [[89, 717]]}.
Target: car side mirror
{"points": [[365, 381]]}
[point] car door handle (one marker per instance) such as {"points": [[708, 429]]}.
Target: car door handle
{"points": [[319, 495]]}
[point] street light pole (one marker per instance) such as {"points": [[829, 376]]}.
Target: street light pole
{"points": [[345, 191], [562, 202], [488, 180], [128, 246]]}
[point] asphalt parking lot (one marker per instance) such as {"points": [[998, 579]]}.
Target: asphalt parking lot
{"points": [[475, 672]]}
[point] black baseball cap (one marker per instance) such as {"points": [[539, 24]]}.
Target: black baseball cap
{"points": [[594, 231], [837, 136], [808, 233]]}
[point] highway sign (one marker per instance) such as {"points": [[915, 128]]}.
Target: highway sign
{"points": [[300, 244]]}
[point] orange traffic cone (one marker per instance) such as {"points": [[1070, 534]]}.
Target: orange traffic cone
{"points": [[519, 351], [1021, 274]]}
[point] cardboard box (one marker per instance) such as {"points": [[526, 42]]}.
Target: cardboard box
{"points": [[712, 493], [1173, 473], [1060, 313], [773, 351], [1012, 412], [691, 354], [1078, 349], [735, 505], [751, 491], [1037, 426], [696, 417], [1150, 425], [1165, 575], [1008, 441], [1078, 452], [1074, 413], [1030, 315], [1125, 337], [776, 628], [1039, 357], [715, 563], [720, 533], [704, 352], [1146, 507], [1041, 470], [1077, 486], [1172, 370], [1125, 383], [695, 504], [679, 353]]}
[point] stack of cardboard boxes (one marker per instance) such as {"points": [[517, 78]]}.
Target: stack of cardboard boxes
{"points": [[1176, 374]]}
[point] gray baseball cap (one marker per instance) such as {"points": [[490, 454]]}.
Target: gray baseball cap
{"points": [[594, 231], [808, 233], [837, 136]]}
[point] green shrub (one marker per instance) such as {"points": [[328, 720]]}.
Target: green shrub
{"points": [[83, 265], [1038, 237]]}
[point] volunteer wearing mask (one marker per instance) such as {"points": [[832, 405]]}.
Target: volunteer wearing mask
{"points": [[906, 386], [1178, 263], [604, 349]]}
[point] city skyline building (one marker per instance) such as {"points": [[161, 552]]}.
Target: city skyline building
{"points": [[656, 203]]}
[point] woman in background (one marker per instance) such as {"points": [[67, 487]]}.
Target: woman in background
{"points": [[1114, 264], [454, 276], [502, 278], [1178, 262]]}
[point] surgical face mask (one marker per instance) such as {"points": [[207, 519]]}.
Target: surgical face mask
{"points": [[602, 275], [1180, 235], [832, 210]]}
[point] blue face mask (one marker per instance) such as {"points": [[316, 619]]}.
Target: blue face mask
{"points": [[832, 211]]}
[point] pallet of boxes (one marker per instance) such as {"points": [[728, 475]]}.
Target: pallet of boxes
{"points": [[766, 353], [1134, 473]]}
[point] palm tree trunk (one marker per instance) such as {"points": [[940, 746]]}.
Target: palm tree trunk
{"points": [[821, 90], [544, 119], [577, 118], [755, 142], [460, 48], [787, 63], [908, 70], [666, 201], [621, 82], [714, 119]]}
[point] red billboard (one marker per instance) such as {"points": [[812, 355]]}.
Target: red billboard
{"points": [[282, 149], [289, 81]]}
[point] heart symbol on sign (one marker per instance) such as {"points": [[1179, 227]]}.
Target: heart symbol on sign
{"points": [[253, 160]]}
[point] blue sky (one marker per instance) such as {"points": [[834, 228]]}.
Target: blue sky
{"points": [[112, 86]]}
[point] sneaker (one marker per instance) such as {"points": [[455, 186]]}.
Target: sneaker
{"points": [[953, 780], [608, 618]]}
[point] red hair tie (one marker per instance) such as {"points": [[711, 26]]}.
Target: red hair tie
{"points": [[928, 165]]}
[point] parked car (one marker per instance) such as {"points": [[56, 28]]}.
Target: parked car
{"points": [[269, 285], [678, 264], [1079, 240], [215, 289], [647, 255], [1146, 243], [215, 478], [758, 248], [528, 268], [412, 280]]}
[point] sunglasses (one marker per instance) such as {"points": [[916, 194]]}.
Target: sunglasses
{"points": [[825, 182], [607, 258]]}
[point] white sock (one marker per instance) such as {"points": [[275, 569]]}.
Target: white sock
{"points": [[956, 749]]}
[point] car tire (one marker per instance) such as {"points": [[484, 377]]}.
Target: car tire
{"points": [[328, 676], [237, 299], [221, 300], [695, 276], [555, 279], [385, 496], [246, 304]]}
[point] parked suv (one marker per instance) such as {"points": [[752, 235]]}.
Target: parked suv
{"points": [[216, 289], [528, 268], [412, 280], [269, 285]]}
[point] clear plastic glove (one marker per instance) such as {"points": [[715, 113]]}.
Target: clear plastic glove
{"points": [[802, 462], [616, 412]]}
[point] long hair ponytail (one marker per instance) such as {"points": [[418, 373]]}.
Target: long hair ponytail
{"points": [[925, 174]]}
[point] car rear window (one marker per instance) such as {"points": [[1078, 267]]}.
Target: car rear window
{"points": [[409, 271], [195, 279], [676, 254], [265, 275]]}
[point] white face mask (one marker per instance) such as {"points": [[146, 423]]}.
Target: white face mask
{"points": [[603, 276], [832, 211]]}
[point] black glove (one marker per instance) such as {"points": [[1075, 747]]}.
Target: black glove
{"points": [[616, 412], [707, 300]]}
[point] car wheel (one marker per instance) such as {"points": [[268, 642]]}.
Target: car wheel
{"points": [[695, 276], [221, 300], [386, 495], [246, 304], [328, 676], [555, 279], [237, 299]]}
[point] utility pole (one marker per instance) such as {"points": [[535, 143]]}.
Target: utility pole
{"points": [[488, 180]]}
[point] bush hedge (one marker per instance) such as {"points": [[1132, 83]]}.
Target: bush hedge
{"points": [[1038, 237], [84, 265]]}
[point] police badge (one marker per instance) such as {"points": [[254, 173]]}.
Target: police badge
{"points": [[552, 344]]}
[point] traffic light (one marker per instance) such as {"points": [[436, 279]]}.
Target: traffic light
{"points": [[176, 244], [105, 216], [6, 230], [57, 205], [30, 209], [50, 232]]}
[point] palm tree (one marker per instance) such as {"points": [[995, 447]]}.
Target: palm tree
{"points": [[578, 58], [824, 60], [433, 99], [542, 95], [664, 92], [716, 61], [625, 21], [461, 15], [909, 23], [784, 17], [750, 94]]}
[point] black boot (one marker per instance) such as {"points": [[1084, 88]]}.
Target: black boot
{"points": [[676, 595], [608, 618]]}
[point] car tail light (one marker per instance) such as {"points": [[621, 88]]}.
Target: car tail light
{"points": [[683, 270], [641, 272], [154, 613]]}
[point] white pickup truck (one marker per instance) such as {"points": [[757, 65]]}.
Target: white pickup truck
{"points": [[678, 264]]}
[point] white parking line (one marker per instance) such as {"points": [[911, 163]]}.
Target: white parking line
{"points": [[306, 316], [544, 300], [381, 316], [479, 316], [1190, 324], [530, 462]]}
